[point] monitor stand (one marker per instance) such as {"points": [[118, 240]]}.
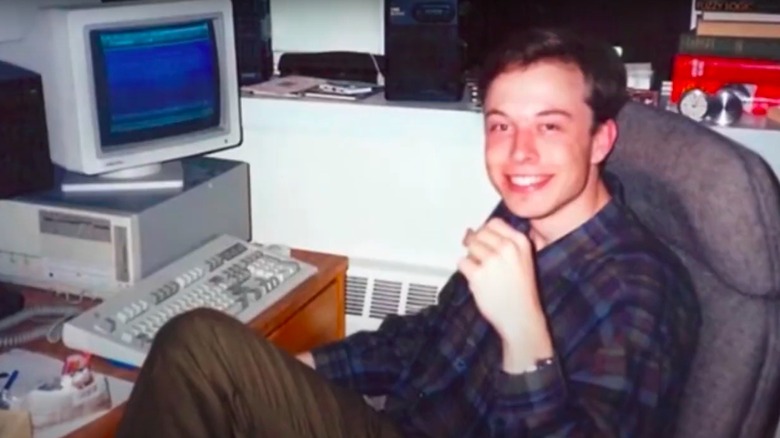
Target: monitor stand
{"points": [[167, 176]]}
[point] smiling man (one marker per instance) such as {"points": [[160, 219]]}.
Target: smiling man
{"points": [[566, 317]]}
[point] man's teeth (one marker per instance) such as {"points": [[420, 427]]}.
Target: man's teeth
{"points": [[527, 180]]}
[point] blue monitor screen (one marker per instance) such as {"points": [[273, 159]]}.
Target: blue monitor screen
{"points": [[155, 81]]}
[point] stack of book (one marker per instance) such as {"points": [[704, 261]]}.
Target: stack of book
{"points": [[734, 42]]}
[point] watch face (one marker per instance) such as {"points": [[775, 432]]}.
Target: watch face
{"points": [[694, 104]]}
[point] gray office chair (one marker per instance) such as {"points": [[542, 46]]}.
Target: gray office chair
{"points": [[716, 204]]}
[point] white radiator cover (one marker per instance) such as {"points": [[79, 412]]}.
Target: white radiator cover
{"points": [[376, 289]]}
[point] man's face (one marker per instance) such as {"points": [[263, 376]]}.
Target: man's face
{"points": [[540, 150]]}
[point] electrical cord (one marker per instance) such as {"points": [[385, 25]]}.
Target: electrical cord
{"points": [[380, 78], [52, 330]]}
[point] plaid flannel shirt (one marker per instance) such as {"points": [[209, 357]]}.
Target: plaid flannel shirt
{"points": [[624, 322]]}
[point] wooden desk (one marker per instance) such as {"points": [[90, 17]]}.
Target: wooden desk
{"points": [[311, 315]]}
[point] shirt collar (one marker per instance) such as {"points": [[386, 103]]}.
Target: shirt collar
{"points": [[611, 211]]}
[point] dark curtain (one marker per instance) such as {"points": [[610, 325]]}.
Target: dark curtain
{"points": [[647, 30]]}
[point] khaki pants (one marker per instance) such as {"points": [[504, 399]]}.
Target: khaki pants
{"points": [[207, 375]]}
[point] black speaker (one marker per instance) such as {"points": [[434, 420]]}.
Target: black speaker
{"points": [[252, 28], [423, 52], [25, 165]]}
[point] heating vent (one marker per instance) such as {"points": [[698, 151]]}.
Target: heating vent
{"points": [[356, 294], [420, 296], [376, 289], [386, 295]]}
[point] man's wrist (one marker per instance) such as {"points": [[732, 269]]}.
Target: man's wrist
{"points": [[307, 358], [526, 348], [520, 358]]}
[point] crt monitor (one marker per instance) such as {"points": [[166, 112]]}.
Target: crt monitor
{"points": [[131, 87]]}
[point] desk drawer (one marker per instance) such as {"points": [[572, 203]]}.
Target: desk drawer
{"points": [[317, 323]]}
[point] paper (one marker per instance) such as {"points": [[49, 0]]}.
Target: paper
{"points": [[35, 369], [289, 86]]}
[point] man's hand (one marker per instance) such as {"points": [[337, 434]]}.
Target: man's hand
{"points": [[500, 271]]}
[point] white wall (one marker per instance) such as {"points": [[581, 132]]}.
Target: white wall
{"points": [[378, 181], [296, 25], [388, 182], [323, 25], [694, 16], [16, 15], [370, 181]]}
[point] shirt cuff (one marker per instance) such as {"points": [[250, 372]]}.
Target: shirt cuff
{"points": [[332, 361], [534, 390]]}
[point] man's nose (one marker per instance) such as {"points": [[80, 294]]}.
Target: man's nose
{"points": [[524, 146]]}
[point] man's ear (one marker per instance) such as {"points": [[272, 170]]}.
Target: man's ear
{"points": [[603, 141]]}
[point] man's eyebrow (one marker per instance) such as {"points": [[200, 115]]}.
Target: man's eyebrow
{"points": [[549, 112], [555, 112], [495, 112]]}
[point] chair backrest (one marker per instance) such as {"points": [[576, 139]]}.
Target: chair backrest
{"points": [[717, 205]]}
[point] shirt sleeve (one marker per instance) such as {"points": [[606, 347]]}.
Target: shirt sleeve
{"points": [[616, 379], [372, 362]]}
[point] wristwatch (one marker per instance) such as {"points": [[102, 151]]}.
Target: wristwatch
{"points": [[540, 364]]}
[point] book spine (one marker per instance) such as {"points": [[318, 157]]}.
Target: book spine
{"points": [[739, 70], [738, 29], [756, 17], [729, 47], [767, 6]]}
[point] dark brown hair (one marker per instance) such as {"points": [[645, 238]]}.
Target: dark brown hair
{"points": [[602, 68]]}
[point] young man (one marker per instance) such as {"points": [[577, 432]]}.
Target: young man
{"points": [[565, 318]]}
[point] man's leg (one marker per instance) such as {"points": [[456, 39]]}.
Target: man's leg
{"points": [[207, 375]]}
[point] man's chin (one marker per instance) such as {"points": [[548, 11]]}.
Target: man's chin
{"points": [[530, 211]]}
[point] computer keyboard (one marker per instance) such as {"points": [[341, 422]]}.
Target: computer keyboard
{"points": [[239, 278]]}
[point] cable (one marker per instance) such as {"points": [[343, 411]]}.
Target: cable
{"points": [[380, 78], [51, 331]]}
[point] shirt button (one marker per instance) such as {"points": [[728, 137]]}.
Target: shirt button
{"points": [[460, 364], [421, 394]]}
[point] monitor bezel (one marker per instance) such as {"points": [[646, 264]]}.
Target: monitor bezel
{"points": [[164, 142], [117, 142], [80, 149]]}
